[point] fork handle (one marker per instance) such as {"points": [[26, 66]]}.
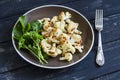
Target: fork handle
{"points": [[100, 57]]}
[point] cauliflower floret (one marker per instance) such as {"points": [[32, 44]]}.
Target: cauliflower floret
{"points": [[53, 52], [54, 35], [76, 37], [54, 19], [63, 38], [68, 15], [60, 25], [58, 51], [50, 50], [67, 47], [72, 41], [53, 39], [70, 48], [77, 31], [47, 30], [68, 57], [46, 19], [58, 32], [45, 33], [80, 48], [45, 45], [47, 24], [75, 40], [72, 26], [64, 16]]}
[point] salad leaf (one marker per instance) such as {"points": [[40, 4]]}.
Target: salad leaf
{"points": [[22, 22], [29, 37], [36, 26], [19, 29]]}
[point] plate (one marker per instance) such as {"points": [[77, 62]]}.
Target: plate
{"points": [[50, 11]]}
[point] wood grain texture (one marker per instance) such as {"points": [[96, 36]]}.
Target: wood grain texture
{"points": [[15, 7], [84, 70], [9, 59], [88, 7], [6, 26], [111, 76]]}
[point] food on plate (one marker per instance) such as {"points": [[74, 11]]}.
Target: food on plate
{"points": [[58, 36]]}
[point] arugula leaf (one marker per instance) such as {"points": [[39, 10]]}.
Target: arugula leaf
{"points": [[27, 28], [33, 44], [28, 37], [36, 26], [22, 22], [21, 43], [19, 29]]}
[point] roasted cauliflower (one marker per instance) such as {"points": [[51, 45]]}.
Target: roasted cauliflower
{"points": [[61, 36]]}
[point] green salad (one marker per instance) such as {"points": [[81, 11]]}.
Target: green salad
{"points": [[29, 37]]}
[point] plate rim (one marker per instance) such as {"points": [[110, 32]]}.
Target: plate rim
{"points": [[59, 67]]}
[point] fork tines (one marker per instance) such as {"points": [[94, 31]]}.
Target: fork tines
{"points": [[99, 17]]}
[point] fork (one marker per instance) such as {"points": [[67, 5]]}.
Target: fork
{"points": [[99, 27]]}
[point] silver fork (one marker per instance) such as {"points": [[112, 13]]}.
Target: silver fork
{"points": [[99, 26]]}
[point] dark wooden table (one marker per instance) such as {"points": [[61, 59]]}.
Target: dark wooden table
{"points": [[13, 67]]}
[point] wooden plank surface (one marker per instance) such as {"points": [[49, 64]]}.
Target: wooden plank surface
{"points": [[13, 67], [110, 76], [15, 7], [8, 58], [80, 71]]}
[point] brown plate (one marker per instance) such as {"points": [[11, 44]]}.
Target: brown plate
{"points": [[50, 11]]}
